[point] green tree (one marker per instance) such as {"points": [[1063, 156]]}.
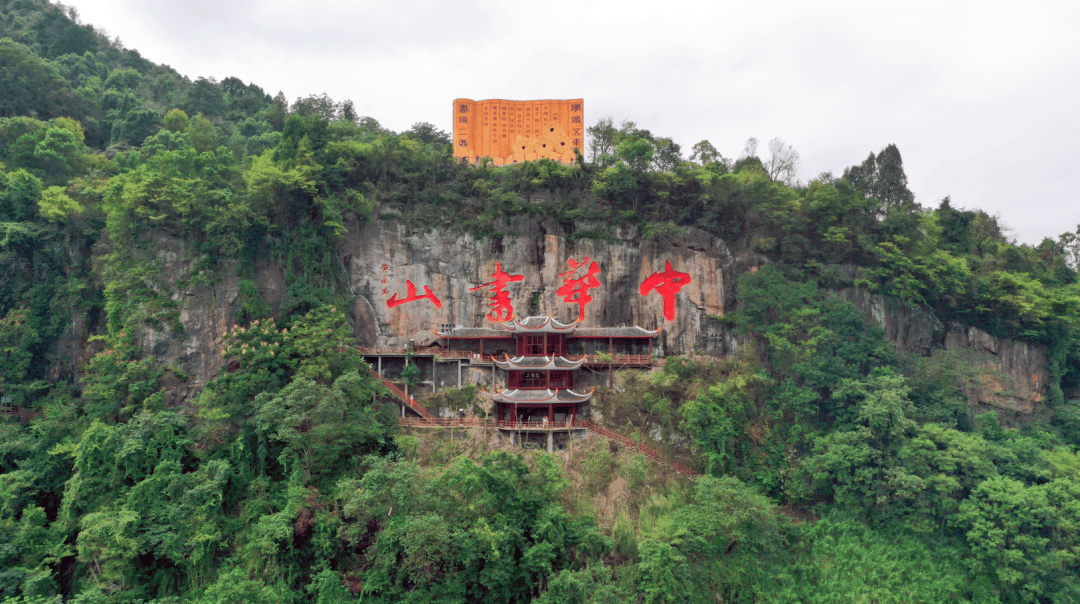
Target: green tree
{"points": [[58, 153], [176, 121], [135, 125], [237, 585], [843, 560], [1024, 537], [882, 177], [427, 134], [601, 140], [19, 194], [323, 427], [107, 546], [123, 79], [705, 153], [720, 546], [411, 376], [720, 416], [202, 134], [18, 339], [204, 96], [860, 468], [30, 85], [317, 105], [56, 206]]}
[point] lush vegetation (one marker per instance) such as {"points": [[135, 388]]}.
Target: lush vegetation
{"points": [[836, 469]]}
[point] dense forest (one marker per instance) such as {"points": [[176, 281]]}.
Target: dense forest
{"points": [[836, 469]]}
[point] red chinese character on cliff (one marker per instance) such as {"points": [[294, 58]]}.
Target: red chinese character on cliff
{"points": [[667, 284], [412, 297], [500, 300], [576, 291]]}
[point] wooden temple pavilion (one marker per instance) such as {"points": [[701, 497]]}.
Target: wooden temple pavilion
{"points": [[540, 393]]}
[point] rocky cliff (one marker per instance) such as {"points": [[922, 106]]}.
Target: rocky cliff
{"points": [[1009, 374], [380, 260]]}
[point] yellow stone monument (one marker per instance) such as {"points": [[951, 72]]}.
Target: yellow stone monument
{"points": [[516, 131]]}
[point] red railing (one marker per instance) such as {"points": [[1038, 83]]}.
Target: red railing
{"points": [[386, 350], [19, 412], [639, 360], [618, 359], [453, 422], [408, 400], [608, 434], [427, 420], [474, 357], [456, 354], [441, 422], [590, 359]]}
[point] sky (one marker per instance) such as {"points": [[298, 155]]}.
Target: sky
{"points": [[980, 98]]}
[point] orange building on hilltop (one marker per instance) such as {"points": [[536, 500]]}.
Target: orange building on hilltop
{"points": [[517, 131]]}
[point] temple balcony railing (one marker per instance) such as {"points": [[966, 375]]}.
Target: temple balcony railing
{"points": [[617, 360], [632, 360], [388, 350]]}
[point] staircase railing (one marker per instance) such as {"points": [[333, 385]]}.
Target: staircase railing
{"points": [[408, 400], [13, 411]]}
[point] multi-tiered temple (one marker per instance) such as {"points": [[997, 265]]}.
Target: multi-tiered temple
{"points": [[541, 358], [540, 378]]}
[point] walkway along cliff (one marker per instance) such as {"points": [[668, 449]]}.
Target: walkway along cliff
{"points": [[407, 284]]}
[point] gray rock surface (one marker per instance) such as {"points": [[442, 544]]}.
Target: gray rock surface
{"points": [[378, 258], [1011, 375]]}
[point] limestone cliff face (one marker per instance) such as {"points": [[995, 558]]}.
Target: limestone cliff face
{"points": [[206, 312], [380, 258], [1011, 375]]}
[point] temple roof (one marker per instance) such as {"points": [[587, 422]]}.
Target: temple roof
{"points": [[542, 396], [539, 363], [475, 332], [540, 325], [615, 332]]}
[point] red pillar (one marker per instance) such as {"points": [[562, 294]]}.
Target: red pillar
{"points": [[551, 414], [573, 415]]}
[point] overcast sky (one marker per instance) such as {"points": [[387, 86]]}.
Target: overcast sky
{"points": [[981, 101]]}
